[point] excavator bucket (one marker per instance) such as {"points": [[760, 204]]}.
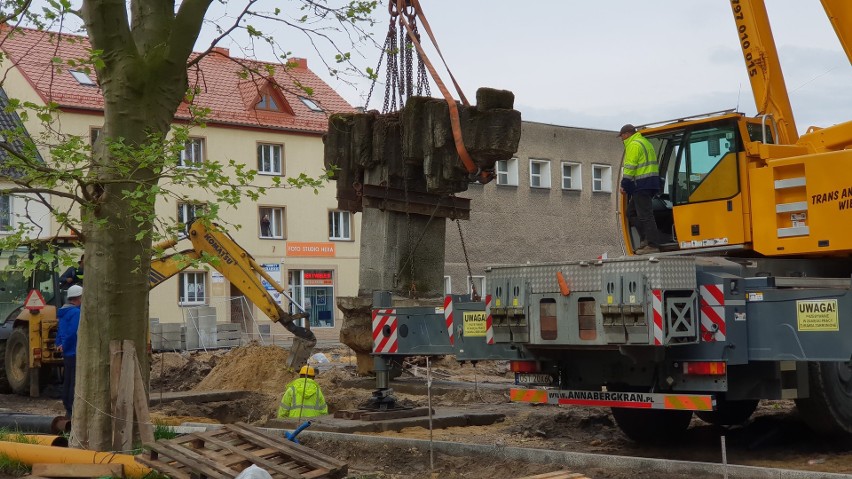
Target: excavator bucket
{"points": [[300, 352]]}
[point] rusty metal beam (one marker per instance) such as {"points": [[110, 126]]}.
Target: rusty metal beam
{"points": [[415, 202]]}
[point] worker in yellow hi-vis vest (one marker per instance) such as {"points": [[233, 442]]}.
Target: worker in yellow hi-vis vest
{"points": [[303, 397]]}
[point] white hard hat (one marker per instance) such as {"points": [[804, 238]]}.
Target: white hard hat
{"points": [[75, 291]]}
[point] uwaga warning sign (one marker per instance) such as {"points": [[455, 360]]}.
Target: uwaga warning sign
{"points": [[474, 324], [817, 315]]}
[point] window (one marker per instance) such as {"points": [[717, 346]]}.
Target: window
{"points": [[6, 217], [602, 178], [310, 104], [267, 102], [193, 288], [82, 78], [707, 162], [94, 134], [338, 225], [540, 173], [448, 285], [188, 212], [272, 223], [507, 172], [269, 159], [193, 153], [572, 176], [478, 282]]}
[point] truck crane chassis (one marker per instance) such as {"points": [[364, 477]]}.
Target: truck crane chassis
{"points": [[654, 338]]}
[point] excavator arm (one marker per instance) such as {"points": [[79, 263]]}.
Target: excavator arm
{"points": [[218, 249]]}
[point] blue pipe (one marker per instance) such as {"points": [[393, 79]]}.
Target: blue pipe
{"points": [[292, 435]]}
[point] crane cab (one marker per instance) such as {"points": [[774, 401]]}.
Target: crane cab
{"points": [[704, 202]]}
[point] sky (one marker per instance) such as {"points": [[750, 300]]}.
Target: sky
{"points": [[605, 63], [597, 64]]}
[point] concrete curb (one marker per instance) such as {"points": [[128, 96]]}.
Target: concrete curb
{"points": [[573, 460], [580, 460]]}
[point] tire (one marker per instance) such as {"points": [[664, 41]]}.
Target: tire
{"points": [[652, 425], [17, 361], [5, 388], [729, 413], [828, 410]]}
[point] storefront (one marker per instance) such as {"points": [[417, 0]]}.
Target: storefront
{"points": [[314, 290]]}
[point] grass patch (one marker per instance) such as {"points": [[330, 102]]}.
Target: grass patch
{"points": [[10, 466], [164, 432], [13, 467], [10, 435]]}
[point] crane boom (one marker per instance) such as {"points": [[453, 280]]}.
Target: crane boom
{"points": [[764, 67], [840, 14]]}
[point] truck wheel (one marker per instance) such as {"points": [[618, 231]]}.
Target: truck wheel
{"points": [[652, 425], [17, 361], [4, 382], [729, 413], [828, 410]]}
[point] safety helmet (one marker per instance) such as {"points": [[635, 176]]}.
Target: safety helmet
{"points": [[75, 291], [307, 371]]}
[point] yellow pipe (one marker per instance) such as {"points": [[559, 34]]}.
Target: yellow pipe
{"points": [[47, 440], [34, 454]]}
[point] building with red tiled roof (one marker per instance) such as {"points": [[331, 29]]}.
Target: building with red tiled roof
{"points": [[231, 99], [271, 123]]}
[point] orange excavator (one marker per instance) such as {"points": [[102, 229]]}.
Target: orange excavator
{"points": [[27, 336]]}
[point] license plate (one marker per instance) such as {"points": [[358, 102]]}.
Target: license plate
{"points": [[523, 378]]}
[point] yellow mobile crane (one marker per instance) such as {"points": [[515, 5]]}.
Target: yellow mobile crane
{"points": [[753, 187], [752, 299], [27, 349]]}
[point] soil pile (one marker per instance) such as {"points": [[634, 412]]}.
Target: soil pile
{"points": [[249, 368], [181, 371]]}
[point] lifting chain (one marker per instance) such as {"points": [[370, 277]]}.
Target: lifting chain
{"points": [[400, 75]]}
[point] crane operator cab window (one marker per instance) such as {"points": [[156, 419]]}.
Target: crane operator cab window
{"points": [[700, 165]]}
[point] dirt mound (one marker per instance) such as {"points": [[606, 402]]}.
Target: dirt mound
{"points": [[565, 423], [249, 368], [181, 371], [254, 408]]}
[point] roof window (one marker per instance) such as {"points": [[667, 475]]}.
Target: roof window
{"points": [[82, 78], [267, 102], [310, 104]]}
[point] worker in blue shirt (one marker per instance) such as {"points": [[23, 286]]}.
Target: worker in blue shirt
{"points": [[66, 343]]}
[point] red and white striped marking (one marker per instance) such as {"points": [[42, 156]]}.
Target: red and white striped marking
{"points": [[382, 343], [658, 316], [489, 322], [448, 317], [712, 312]]}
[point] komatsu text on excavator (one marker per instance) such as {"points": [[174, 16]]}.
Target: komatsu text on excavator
{"points": [[751, 299], [27, 349]]}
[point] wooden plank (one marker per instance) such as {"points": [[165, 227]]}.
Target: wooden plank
{"points": [[266, 464], [319, 458], [122, 438], [292, 449], [299, 453], [196, 461], [209, 454], [114, 373], [79, 470], [140, 400], [167, 469], [399, 414]]}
